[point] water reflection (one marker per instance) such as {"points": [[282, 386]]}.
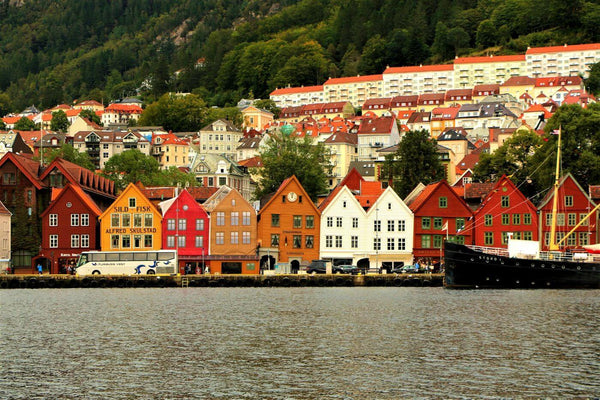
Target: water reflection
{"points": [[298, 343]]}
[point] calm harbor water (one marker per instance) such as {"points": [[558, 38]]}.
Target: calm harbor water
{"points": [[298, 343]]}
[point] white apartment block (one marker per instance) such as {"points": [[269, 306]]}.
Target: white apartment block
{"points": [[356, 89], [402, 81], [220, 137], [471, 71], [102, 145], [297, 96], [566, 60]]}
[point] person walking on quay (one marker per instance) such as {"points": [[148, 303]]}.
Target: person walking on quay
{"points": [[206, 270], [39, 268]]}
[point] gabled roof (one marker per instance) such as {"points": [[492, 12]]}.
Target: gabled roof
{"points": [[183, 195], [80, 176], [138, 192], [4, 210], [253, 162], [282, 187], [342, 137], [478, 190], [85, 198], [550, 194], [381, 125], [26, 165], [369, 193], [429, 190], [504, 181]]}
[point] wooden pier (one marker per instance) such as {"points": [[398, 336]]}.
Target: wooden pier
{"points": [[283, 280]]}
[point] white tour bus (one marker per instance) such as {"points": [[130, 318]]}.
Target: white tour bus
{"points": [[162, 262]]}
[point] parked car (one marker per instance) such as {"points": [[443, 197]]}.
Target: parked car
{"points": [[407, 269], [346, 269], [317, 267]]}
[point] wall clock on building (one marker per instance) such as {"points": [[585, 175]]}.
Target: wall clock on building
{"points": [[292, 196]]}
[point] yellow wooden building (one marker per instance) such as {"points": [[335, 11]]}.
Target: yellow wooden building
{"points": [[132, 222]]}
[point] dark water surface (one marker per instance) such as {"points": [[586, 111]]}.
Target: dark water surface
{"points": [[298, 343]]}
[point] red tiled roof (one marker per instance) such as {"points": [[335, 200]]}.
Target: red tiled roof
{"points": [[25, 164], [420, 68], [486, 88], [519, 81], [489, 59], [353, 79], [130, 108], [292, 90], [381, 125], [423, 196], [253, 162], [564, 48]]}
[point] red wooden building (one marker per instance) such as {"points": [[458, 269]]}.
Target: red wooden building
{"points": [[69, 226], [185, 227], [439, 213], [503, 211], [573, 205]]}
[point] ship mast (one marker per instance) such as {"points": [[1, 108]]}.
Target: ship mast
{"points": [[553, 246]]}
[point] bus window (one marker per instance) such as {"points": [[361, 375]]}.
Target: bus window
{"points": [[126, 257], [112, 256], [95, 257], [82, 260], [165, 256], [140, 256]]}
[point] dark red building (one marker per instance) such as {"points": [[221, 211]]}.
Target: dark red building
{"points": [[503, 211], [439, 213], [69, 226]]}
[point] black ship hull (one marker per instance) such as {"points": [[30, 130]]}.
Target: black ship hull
{"points": [[468, 268]]}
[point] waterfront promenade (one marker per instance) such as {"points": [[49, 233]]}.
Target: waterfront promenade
{"points": [[282, 280]]}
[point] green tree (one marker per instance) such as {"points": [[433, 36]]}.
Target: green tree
{"points": [[285, 155], [2, 125], [173, 176], [176, 113], [269, 105], [373, 57], [592, 83], [59, 122], [132, 166], [486, 34], [90, 116], [24, 124], [69, 153], [416, 161], [514, 158]]}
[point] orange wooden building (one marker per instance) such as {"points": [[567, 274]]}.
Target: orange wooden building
{"points": [[289, 227]]}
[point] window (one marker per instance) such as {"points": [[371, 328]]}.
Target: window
{"points": [[114, 241], [572, 240], [560, 219], [181, 241], [310, 221], [53, 241], [137, 220], [220, 238], [505, 202], [437, 223], [426, 241], [572, 219], [182, 224], [235, 238], [74, 241], [377, 226], [199, 224], [488, 220], [148, 220], [488, 238], [548, 219], [74, 219], [583, 238], [329, 222], [426, 223], [443, 202], [246, 218], [235, 218], [582, 217], [401, 244], [328, 241], [125, 241], [53, 220], [527, 219], [274, 219], [199, 241], [344, 204], [460, 224], [390, 244], [505, 237], [437, 241], [354, 242], [85, 241], [377, 244], [220, 218], [391, 225], [132, 202], [401, 225], [516, 219], [568, 201], [170, 224], [527, 235], [309, 241], [245, 237], [338, 241], [338, 222], [505, 219], [297, 241], [274, 240], [126, 220], [297, 221], [355, 222], [85, 220]]}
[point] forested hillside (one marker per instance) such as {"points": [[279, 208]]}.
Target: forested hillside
{"points": [[62, 50]]}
